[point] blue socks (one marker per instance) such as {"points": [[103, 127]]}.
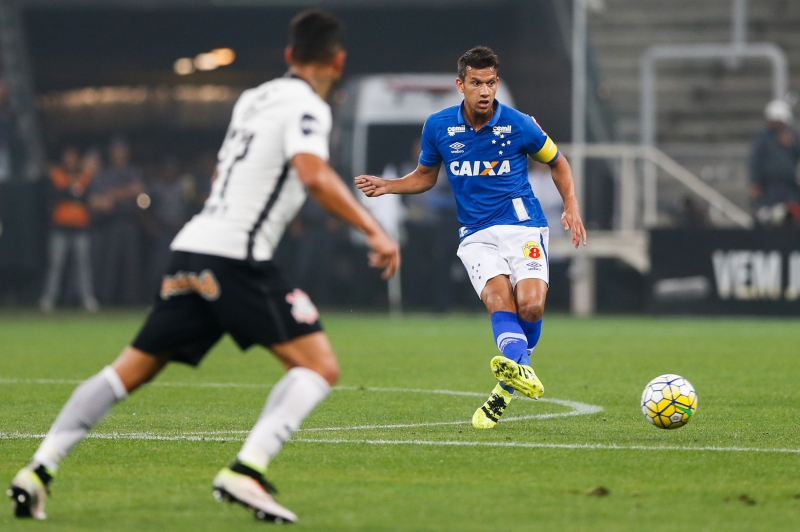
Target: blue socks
{"points": [[515, 338], [533, 330], [510, 339]]}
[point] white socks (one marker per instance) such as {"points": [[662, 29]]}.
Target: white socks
{"points": [[90, 402], [292, 399]]}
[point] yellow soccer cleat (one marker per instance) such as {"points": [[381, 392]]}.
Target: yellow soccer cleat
{"points": [[521, 378], [486, 416]]}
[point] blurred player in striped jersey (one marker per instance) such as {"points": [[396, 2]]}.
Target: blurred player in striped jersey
{"points": [[221, 278]]}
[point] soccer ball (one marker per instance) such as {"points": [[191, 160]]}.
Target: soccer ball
{"points": [[669, 401]]}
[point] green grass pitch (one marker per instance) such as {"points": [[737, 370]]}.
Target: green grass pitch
{"points": [[388, 454]]}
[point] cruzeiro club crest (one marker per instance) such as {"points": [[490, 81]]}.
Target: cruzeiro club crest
{"points": [[532, 250]]}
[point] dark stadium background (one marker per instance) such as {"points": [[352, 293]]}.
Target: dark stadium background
{"points": [[73, 48], [78, 44]]}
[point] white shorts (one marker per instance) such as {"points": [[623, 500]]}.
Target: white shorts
{"points": [[514, 250]]}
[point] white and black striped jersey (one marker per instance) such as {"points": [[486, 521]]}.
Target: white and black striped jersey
{"points": [[257, 192]]}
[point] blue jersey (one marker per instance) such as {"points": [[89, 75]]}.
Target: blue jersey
{"points": [[488, 168]]}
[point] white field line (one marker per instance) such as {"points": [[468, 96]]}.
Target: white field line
{"points": [[238, 435], [146, 436], [581, 446], [571, 404], [135, 436], [157, 383], [74, 382], [577, 408], [575, 412], [407, 390], [260, 386], [268, 386]]}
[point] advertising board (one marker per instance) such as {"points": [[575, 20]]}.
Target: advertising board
{"points": [[725, 271]]}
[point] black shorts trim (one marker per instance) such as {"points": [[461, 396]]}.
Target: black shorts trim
{"points": [[203, 297]]}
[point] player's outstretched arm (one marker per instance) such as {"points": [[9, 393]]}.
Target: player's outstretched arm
{"points": [[420, 180], [327, 188], [571, 218]]}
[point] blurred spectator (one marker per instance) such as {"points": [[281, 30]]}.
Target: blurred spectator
{"points": [[435, 213], [197, 182], [113, 196], [692, 214], [315, 234], [92, 162], [167, 214], [549, 197], [418, 208], [388, 209], [70, 231], [773, 165], [5, 134]]}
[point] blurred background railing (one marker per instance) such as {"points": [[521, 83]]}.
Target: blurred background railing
{"points": [[663, 149]]}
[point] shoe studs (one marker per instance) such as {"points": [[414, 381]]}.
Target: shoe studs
{"points": [[261, 515]]}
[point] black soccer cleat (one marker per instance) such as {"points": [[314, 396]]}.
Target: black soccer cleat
{"points": [[28, 491]]}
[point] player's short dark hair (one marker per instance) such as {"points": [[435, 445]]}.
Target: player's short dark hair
{"points": [[315, 37], [478, 57]]}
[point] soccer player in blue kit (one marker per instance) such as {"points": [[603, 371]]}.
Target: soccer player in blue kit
{"points": [[484, 146]]}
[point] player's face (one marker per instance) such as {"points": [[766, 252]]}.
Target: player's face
{"points": [[479, 88]]}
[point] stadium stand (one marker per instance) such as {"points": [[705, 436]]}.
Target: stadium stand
{"points": [[707, 110]]}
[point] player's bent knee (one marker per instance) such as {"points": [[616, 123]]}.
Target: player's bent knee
{"points": [[329, 370], [312, 352], [326, 367], [135, 367], [531, 311], [498, 294]]}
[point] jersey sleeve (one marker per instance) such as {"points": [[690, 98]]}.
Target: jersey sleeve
{"points": [[307, 130], [429, 154], [537, 143]]}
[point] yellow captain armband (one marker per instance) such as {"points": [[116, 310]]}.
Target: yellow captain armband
{"points": [[547, 153]]}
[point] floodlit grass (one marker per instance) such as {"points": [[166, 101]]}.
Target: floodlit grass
{"points": [[745, 372]]}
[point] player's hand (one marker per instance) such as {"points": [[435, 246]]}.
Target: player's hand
{"points": [[385, 253], [371, 186], [571, 220]]}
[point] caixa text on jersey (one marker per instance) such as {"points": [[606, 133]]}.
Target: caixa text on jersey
{"points": [[480, 167]]}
